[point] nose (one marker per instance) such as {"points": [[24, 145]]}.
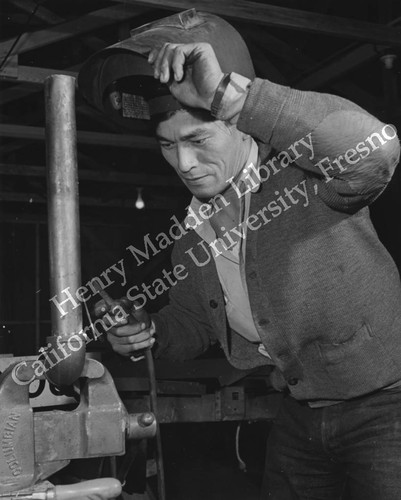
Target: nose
{"points": [[186, 159]]}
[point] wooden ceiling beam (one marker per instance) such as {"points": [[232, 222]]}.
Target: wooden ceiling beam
{"points": [[302, 62], [37, 75], [12, 146], [89, 22], [83, 137], [264, 68], [96, 176], [271, 15], [34, 77], [41, 13], [337, 66], [15, 92], [47, 16]]}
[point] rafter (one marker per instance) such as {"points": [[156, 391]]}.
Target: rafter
{"points": [[34, 76], [84, 137], [335, 67], [46, 15], [302, 62], [69, 29], [101, 176], [271, 15]]}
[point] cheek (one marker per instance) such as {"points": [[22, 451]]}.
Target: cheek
{"points": [[214, 156]]}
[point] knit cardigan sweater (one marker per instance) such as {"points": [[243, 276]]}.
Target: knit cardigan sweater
{"points": [[325, 294]]}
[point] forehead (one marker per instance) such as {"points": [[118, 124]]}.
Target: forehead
{"points": [[184, 124]]}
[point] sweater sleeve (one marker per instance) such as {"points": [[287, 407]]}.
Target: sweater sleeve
{"points": [[351, 152], [182, 329]]}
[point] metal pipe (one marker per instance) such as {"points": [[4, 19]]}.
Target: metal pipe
{"points": [[63, 219], [37, 286]]}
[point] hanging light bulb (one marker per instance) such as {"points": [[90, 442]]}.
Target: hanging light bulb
{"points": [[139, 204]]}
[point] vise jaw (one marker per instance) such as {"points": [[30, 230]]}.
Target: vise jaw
{"points": [[36, 443]]}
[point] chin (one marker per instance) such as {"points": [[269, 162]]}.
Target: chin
{"points": [[205, 194]]}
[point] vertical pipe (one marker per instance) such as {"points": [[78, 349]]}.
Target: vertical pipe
{"points": [[37, 286], [63, 218]]}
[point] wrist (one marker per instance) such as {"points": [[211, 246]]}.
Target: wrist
{"points": [[230, 96]]}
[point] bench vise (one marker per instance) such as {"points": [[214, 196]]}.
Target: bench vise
{"points": [[36, 443]]}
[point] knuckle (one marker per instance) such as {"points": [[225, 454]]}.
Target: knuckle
{"points": [[113, 332], [168, 47], [206, 46]]}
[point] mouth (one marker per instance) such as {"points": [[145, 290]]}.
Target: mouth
{"points": [[195, 179]]}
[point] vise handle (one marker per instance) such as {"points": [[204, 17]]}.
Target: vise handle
{"points": [[101, 489]]}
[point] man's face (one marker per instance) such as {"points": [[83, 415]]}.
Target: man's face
{"points": [[205, 154]]}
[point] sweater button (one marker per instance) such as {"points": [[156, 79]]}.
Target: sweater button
{"points": [[213, 304], [263, 321], [293, 381], [252, 275]]}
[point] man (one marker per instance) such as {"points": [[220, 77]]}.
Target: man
{"points": [[283, 267]]}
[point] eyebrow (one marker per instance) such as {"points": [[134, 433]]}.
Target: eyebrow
{"points": [[195, 133]]}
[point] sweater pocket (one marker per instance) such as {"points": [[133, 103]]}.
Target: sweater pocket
{"points": [[358, 365]]}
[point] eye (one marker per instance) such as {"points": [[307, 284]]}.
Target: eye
{"points": [[199, 142], [166, 145]]}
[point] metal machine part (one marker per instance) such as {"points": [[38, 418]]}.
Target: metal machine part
{"points": [[96, 488], [63, 218], [36, 444]]}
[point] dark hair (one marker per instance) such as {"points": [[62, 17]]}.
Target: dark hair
{"points": [[201, 113]]}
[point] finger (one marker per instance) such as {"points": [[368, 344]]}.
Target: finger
{"points": [[152, 55], [143, 345], [140, 314], [111, 321], [127, 330], [124, 333], [158, 60], [142, 340], [130, 339], [100, 308], [143, 328], [177, 63], [125, 303], [118, 320], [123, 350], [165, 64]]}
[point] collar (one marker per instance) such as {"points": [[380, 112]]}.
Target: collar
{"points": [[248, 178]]}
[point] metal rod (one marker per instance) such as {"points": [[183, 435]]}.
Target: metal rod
{"points": [[37, 286], [63, 217]]}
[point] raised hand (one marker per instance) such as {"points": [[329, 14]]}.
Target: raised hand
{"points": [[191, 71]]}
